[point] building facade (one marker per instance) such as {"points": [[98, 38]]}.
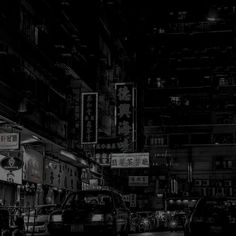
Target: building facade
{"points": [[189, 115], [49, 58]]}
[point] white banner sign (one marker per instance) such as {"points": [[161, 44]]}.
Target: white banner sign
{"points": [[138, 180], [9, 141], [129, 160]]}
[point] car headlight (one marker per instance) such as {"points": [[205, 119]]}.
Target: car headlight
{"points": [[56, 218]]}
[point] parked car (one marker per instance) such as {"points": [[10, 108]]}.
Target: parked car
{"points": [[212, 216], [176, 221], [36, 220], [91, 211]]}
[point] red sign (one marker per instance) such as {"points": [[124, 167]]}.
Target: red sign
{"points": [[89, 118]]}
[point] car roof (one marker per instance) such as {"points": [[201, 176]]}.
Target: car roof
{"points": [[95, 191]]}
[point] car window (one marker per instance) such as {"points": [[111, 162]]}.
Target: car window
{"points": [[89, 198]]}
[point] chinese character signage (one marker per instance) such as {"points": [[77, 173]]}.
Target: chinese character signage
{"points": [[104, 148], [138, 180], [89, 118], [125, 113], [104, 159], [61, 175], [9, 141], [129, 160]]}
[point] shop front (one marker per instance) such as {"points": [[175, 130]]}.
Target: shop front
{"points": [[10, 177], [61, 178], [31, 193]]}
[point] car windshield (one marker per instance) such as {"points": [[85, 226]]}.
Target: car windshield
{"points": [[87, 198]]}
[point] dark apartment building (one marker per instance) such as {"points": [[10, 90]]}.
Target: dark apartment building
{"points": [[189, 102]]}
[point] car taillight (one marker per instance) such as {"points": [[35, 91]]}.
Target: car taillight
{"points": [[97, 217], [109, 219], [56, 218]]}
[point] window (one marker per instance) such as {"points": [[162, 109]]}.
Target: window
{"points": [[223, 82], [178, 139], [222, 138], [201, 138], [175, 100], [157, 140], [223, 163]]}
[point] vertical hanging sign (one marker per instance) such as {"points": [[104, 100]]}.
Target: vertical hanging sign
{"points": [[125, 113], [89, 118]]}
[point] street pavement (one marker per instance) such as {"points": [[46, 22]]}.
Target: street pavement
{"points": [[164, 233]]}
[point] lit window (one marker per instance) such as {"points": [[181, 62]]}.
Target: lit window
{"points": [[175, 100]]}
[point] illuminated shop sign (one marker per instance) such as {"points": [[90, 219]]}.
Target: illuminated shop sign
{"points": [[11, 160], [9, 141], [129, 160], [125, 113], [89, 118], [11, 167]]}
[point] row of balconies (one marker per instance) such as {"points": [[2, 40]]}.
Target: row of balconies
{"points": [[223, 79], [183, 139], [197, 27]]}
